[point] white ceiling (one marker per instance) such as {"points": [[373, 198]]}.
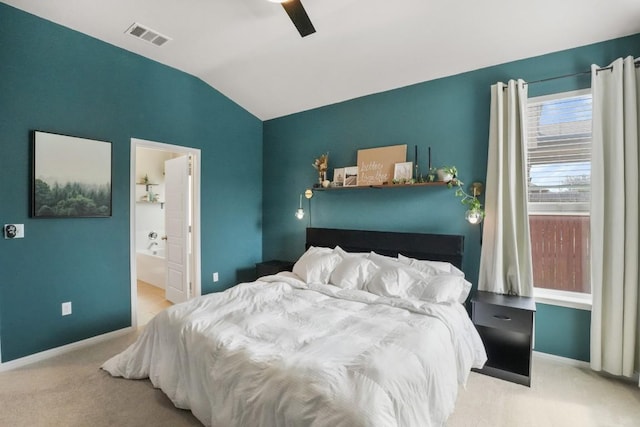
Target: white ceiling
{"points": [[250, 51]]}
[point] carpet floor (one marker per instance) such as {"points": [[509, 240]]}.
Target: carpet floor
{"points": [[70, 390]]}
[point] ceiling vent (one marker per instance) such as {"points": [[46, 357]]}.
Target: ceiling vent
{"points": [[147, 34]]}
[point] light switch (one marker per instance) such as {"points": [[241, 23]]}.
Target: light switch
{"points": [[66, 308]]}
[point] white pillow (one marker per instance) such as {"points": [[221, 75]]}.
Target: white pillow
{"points": [[444, 288], [409, 283], [383, 260], [466, 290], [426, 269], [316, 265], [345, 254], [353, 272], [439, 267], [442, 266], [398, 281], [319, 249]]}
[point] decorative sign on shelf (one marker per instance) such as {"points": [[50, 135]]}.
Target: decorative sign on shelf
{"points": [[376, 165]]}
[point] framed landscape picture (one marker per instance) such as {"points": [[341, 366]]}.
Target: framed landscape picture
{"points": [[71, 177], [350, 176]]}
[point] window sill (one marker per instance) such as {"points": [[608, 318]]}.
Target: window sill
{"points": [[563, 298]]}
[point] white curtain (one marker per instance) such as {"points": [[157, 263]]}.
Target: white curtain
{"points": [[615, 344], [505, 260]]}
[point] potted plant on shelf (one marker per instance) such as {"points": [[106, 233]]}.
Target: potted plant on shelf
{"points": [[447, 173]]}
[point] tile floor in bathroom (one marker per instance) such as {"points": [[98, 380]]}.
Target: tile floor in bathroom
{"points": [[150, 302]]}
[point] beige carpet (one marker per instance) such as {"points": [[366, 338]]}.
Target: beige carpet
{"points": [[71, 390], [560, 396]]}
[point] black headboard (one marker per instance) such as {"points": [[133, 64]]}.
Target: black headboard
{"points": [[435, 247]]}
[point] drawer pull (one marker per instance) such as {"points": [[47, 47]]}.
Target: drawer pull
{"points": [[501, 317]]}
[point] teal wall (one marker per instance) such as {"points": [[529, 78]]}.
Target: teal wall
{"points": [[58, 80], [452, 116], [562, 331]]}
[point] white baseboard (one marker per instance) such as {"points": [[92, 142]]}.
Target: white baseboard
{"points": [[563, 360], [586, 365], [47, 354]]}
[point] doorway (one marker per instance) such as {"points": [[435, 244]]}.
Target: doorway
{"points": [[165, 259]]}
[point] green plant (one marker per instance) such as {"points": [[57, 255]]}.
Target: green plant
{"points": [[404, 181], [470, 200], [450, 170]]}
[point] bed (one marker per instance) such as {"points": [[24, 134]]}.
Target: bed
{"points": [[368, 330]]}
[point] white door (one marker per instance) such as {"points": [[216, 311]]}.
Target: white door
{"points": [[177, 228]]}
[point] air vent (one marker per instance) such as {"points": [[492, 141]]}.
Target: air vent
{"points": [[147, 34]]}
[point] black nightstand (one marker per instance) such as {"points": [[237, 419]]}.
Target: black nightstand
{"points": [[268, 268], [505, 324]]}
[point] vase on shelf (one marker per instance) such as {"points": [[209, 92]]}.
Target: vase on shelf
{"points": [[322, 176], [444, 175]]}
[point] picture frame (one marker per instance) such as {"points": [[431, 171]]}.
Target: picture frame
{"points": [[350, 176], [338, 177], [71, 177], [403, 171]]}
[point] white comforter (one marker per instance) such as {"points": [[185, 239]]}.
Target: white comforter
{"points": [[280, 352]]}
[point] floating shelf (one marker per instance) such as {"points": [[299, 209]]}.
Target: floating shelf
{"points": [[384, 186]]}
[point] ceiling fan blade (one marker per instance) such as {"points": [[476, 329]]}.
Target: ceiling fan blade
{"points": [[299, 17]]}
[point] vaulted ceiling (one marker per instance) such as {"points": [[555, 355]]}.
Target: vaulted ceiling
{"points": [[250, 51]]}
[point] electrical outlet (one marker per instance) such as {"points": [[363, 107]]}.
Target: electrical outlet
{"points": [[66, 308], [215, 276], [13, 231]]}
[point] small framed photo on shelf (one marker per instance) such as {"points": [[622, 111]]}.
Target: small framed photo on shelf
{"points": [[351, 176], [338, 177], [403, 171]]}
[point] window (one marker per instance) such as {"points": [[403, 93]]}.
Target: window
{"points": [[559, 189]]}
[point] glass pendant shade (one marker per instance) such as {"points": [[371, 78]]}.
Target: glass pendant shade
{"points": [[300, 211], [474, 217]]}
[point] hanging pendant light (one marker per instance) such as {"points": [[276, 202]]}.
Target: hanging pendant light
{"points": [[300, 211], [474, 217]]}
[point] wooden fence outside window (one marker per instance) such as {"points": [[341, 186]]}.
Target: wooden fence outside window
{"points": [[560, 252]]}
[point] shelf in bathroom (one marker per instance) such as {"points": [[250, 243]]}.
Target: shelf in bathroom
{"points": [[146, 202], [146, 184]]}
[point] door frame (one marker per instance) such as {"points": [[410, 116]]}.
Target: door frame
{"points": [[195, 211]]}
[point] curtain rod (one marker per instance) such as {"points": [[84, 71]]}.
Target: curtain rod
{"points": [[636, 62], [565, 76]]}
